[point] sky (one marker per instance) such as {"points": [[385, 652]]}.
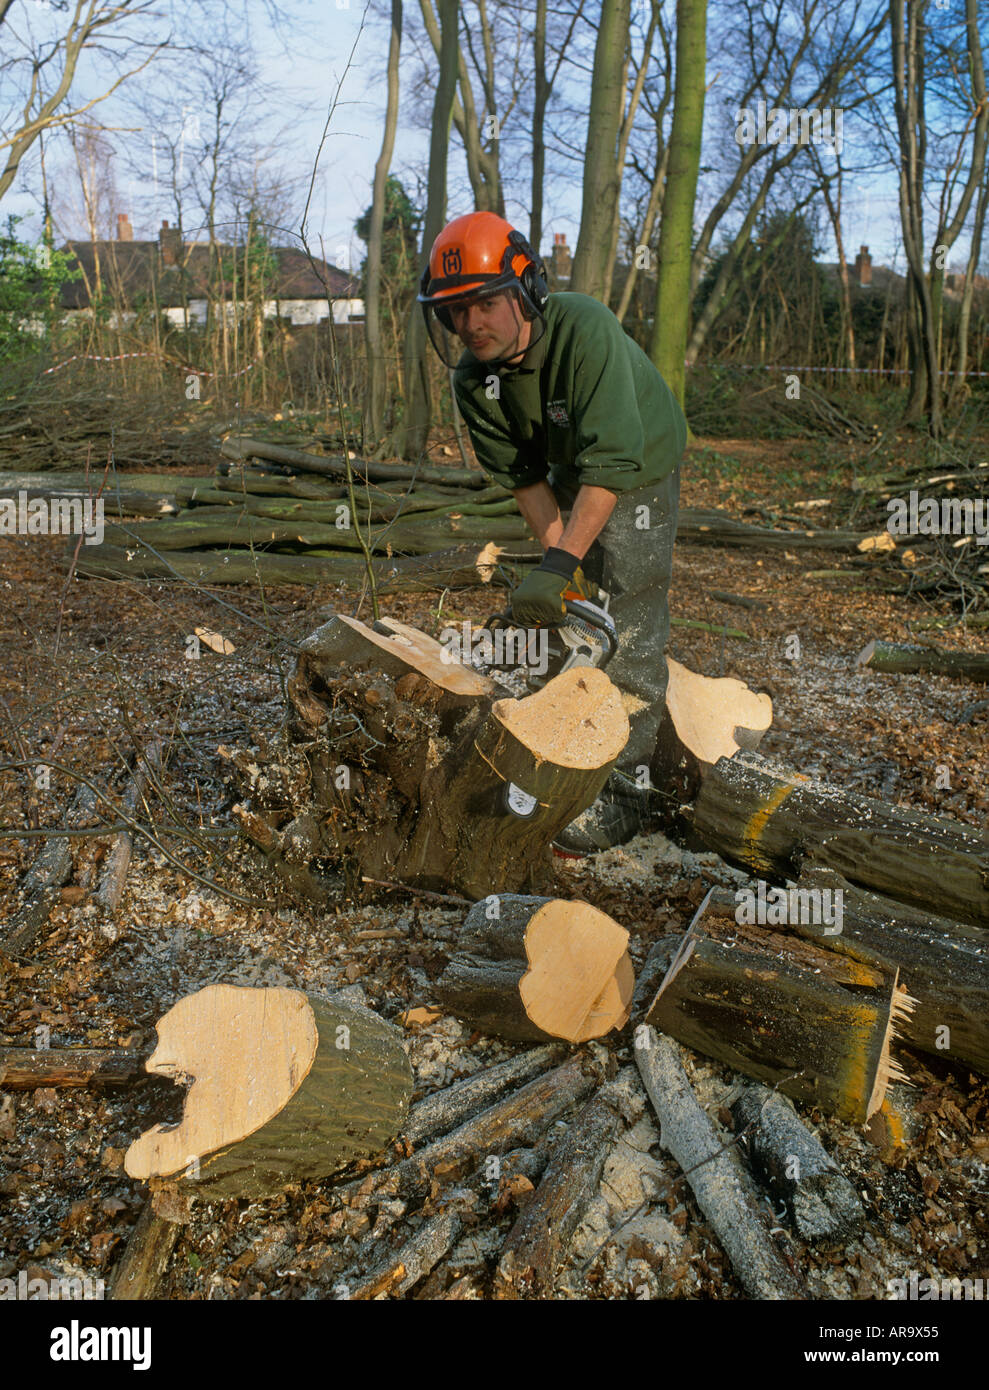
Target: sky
{"points": [[336, 49]]}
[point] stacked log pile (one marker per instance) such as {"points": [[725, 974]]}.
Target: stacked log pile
{"points": [[287, 516]]}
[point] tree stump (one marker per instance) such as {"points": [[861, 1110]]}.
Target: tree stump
{"points": [[286, 1087], [398, 762]]}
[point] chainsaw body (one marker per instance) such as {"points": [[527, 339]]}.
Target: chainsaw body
{"points": [[585, 636]]}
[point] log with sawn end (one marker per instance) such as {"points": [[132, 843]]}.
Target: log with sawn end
{"points": [[530, 968], [285, 1087], [397, 764], [784, 1010]]}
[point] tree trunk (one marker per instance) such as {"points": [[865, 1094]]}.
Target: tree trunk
{"points": [[374, 400], [673, 297], [772, 818], [602, 177], [414, 430], [903, 659], [400, 765], [783, 1010]]}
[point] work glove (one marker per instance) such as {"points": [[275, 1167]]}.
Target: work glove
{"points": [[539, 598]]}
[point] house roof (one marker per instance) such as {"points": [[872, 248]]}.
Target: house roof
{"points": [[134, 273]]}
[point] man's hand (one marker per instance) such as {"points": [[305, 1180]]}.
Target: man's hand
{"points": [[539, 598]]}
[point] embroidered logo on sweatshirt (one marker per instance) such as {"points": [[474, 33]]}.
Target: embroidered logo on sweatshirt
{"points": [[557, 412]]}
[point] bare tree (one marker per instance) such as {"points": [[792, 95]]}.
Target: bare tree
{"points": [[602, 174], [374, 401], [48, 71]]}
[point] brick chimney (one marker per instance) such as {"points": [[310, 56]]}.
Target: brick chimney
{"points": [[863, 266], [125, 232], [170, 241], [560, 259]]}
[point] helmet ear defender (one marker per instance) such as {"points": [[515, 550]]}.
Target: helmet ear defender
{"points": [[533, 277]]}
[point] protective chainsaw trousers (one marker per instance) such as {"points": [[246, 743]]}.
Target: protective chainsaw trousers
{"points": [[632, 560]]}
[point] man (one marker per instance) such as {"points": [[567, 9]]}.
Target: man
{"points": [[566, 411]]}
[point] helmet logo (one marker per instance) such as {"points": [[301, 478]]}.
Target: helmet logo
{"points": [[452, 261]]}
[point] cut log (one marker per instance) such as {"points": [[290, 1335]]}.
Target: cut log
{"points": [[943, 964], [286, 1087], [532, 968], [823, 1205], [42, 884], [901, 659], [707, 718], [518, 1120], [241, 448], [760, 813], [536, 1245], [111, 887], [783, 1010], [398, 763], [459, 567], [723, 1190], [27, 1068], [146, 1257]]}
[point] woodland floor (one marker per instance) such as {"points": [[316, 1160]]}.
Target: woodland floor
{"points": [[86, 674]]}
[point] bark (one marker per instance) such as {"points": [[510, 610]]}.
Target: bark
{"points": [[146, 1257], [241, 448], [903, 659], [27, 1068], [943, 965], [822, 1204], [909, 94], [673, 295], [785, 1011], [111, 887], [537, 1243], [771, 818], [520, 1119], [414, 430], [445, 1110], [42, 884], [602, 176], [717, 1179], [374, 400]]}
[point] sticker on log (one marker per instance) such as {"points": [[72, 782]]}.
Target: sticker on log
{"points": [[286, 1087], [531, 968]]}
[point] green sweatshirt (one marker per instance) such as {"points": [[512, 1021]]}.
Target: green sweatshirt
{"points": [[584, 400]]}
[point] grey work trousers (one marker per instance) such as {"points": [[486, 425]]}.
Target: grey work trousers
{"points": [[632, 560]]}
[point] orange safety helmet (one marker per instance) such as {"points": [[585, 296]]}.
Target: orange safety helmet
{"points": [[479, 253]]}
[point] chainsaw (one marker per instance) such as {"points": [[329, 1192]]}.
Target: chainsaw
{"points": [[585, 636]]}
